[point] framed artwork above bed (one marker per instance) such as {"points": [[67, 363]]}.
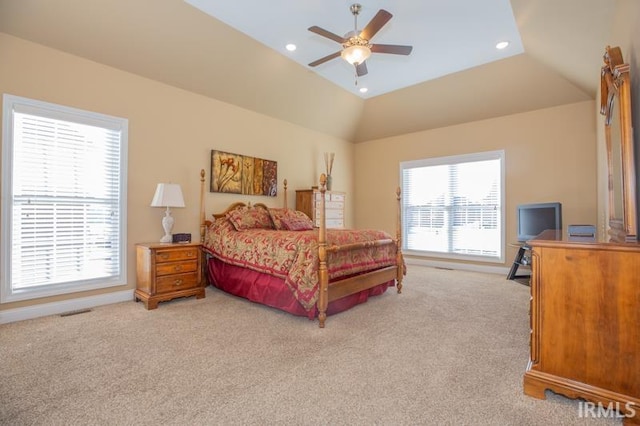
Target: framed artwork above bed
{"points": [[242, 174]]}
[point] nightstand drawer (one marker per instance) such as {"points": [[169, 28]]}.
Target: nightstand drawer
{"points": [[176, 282], [174, 255], [176, 267]]}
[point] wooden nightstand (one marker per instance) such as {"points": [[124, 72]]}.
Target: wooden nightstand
{"points": [[167, 271]]}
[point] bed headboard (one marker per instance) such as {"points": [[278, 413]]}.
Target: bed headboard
{"points": [[204, 222], [239, 205]]}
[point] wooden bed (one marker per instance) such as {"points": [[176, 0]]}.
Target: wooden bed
{"points": [[339, 290]]}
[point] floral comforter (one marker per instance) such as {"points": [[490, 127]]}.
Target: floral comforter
{"points": [[293, 255]]}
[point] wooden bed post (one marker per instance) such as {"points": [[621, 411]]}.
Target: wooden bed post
{"points": [[202, 224], [285, 194], [323, 273], [399, 258]]}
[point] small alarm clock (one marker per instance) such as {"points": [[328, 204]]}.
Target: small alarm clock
{"points": [[182, 238]]}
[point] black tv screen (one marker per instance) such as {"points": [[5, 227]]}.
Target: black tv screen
{"points": [[535, 218]]}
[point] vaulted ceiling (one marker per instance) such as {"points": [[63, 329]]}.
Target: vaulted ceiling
{"points": [[471, 28], [175, 43]]}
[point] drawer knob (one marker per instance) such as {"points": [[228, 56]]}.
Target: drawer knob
{"points": [[178, 268], [189, 253], [178, 282], [164, 256]]}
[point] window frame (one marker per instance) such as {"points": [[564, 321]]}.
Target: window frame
{"points": [[448, 160], [54, 111]]}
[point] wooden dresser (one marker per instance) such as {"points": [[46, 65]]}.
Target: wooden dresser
{"points": [[167, 271], [308, 201], [585, 322]]}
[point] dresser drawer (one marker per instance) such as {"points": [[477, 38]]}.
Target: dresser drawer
{"points": [[337, 197], [171, 283], [335, 223], [334, 214], [338, 205], [176, 267], [329, 196], [174, 255], [331, 223]]}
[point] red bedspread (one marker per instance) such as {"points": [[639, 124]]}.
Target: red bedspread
{"points": [[293, 255]]}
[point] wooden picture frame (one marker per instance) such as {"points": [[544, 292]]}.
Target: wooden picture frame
{"points": [[615, 105]]}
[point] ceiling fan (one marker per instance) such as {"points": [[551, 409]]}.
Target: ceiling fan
{"points": [[356, 46]]}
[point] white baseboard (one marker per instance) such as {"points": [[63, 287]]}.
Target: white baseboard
{"points": [[501, 270], [54, 308]]}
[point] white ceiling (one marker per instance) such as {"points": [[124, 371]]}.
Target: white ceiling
{"points": [[447, 36]]}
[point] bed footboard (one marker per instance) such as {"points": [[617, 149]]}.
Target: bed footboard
{"points": [[357, 283]]}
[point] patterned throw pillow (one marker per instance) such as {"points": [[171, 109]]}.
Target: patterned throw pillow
{"points": [[250, 218], [297, 214], [292, 223], [276, 217]]}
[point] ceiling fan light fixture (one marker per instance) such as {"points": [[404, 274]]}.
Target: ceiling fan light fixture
{"points": [[356, 50]]}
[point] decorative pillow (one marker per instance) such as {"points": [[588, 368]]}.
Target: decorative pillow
{"points": [[298, 223], [298, 214], [276, 217], [250, 218]]}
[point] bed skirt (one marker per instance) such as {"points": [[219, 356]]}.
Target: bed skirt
{"points": [[272, 291]]}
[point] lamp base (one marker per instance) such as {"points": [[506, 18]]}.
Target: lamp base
{"points": [[167, 225]]}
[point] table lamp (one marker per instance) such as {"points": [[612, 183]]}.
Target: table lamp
{"points": [[167, 195]]}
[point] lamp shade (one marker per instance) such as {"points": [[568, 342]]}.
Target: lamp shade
{"points": [[168, 195]]}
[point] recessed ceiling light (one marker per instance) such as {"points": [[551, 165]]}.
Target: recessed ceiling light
{"points": [[291, 47], [502, 45], [363, 90]]}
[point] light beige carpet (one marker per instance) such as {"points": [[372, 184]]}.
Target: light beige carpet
{"points": [[450, 350]]}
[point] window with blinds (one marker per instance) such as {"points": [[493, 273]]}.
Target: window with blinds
{"points": [[454, 206], [63, 201]]}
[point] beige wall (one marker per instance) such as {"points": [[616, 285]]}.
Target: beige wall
{"points": [[171, 134], [550, 155]]}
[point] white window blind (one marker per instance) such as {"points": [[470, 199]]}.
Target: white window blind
{"points": [[64, 205], [453, 206]]}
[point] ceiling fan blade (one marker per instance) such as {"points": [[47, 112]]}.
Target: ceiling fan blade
{"points": [[327, 34], [325, 59], [378, 21], [361, 69], [391, 48]]}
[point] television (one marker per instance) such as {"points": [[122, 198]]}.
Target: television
{"points": [[535, 218]]}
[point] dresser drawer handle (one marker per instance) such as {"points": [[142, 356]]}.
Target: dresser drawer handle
{"points": [[189, 253], [178, 282], [164, 256], [178, 268]]}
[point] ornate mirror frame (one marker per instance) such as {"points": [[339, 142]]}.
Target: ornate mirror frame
{"points": [[615, 105]]}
